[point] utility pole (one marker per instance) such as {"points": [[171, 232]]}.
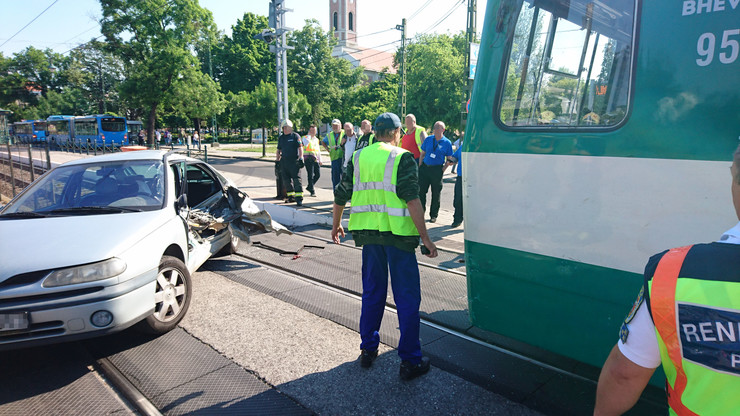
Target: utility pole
{"points": [[277, 22], [213, 120], [402, 86], [470, 37]]}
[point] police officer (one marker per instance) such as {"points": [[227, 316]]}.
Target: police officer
{"points": [[434, 152], [386, 219], [692, 295], [333, 144], [290, 155]]}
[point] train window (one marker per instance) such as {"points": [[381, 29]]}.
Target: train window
{"points": [[569, 64]]}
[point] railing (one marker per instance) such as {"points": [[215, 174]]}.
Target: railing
{"points": [[21, 164]]}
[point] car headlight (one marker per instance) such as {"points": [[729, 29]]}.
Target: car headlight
{"points": [[87, 273]]}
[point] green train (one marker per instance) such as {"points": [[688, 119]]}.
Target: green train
{"points": [[599, 133]]}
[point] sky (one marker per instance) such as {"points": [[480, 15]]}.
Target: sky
{"points": [[68, 23]]}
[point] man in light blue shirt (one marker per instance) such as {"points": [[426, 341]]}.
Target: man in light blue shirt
{"points": [[434, 151]]}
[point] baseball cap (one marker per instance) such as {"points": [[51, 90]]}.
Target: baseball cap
{"points": [[336, 121], [387, 121], [286, 122]]}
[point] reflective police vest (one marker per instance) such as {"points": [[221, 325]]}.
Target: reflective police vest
{"points": [[312, 148], [375, 205], [335, 154], [697, 322]]}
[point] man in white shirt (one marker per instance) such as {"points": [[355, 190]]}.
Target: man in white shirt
{"points": [[349, 143], [684, 318]]}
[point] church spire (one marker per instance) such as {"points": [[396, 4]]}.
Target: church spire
{"points": [[343, 20]]}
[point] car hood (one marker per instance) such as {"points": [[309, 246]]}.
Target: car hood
{"points": [[44, 243]]}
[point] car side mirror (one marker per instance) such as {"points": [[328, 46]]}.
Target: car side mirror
{"points": [[181, 203]]}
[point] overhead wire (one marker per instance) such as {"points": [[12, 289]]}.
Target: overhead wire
{"points": [[444, 17], [423, 6], [27, 24]]}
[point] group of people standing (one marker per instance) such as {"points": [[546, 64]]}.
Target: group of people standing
{"points": [[432, 154]]}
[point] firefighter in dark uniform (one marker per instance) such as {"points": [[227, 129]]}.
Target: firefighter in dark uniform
{"points": [[687, 318], [290, 155]]}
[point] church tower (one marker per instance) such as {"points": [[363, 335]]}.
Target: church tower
{"points": [[343, 20]]}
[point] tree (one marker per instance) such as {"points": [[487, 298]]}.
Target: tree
{"points": [[96, 75], [261, 108], [368, 101], [435, 82], [155, 39], [197, 97], [313, 72], [240, 62]]}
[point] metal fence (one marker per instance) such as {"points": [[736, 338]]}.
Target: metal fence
{"points": [[21, 164]]}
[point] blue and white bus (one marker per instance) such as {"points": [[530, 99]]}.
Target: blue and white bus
{"points": [[59, 130], [30, 131], [101, 130]]}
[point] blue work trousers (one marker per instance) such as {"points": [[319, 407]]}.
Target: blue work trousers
{"points": [[376, 260], [336, 172]]}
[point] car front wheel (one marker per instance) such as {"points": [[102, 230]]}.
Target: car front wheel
{"points": [[171, 298]]}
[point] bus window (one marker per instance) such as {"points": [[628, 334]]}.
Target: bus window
{"points": [[569, 64], [86, 128], [112, 124]]}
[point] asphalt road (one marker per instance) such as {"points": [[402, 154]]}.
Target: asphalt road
{"points": [[238, 351]]}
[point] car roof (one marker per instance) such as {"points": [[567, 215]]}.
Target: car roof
{"points": [[131, 156]]}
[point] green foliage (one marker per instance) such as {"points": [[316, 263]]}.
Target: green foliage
{"points": [[435, 80], [155, 40], [260, 105], [368, 101], [313, 72], [240, 62]]}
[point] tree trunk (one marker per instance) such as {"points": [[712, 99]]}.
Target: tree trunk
{"points": [[264, 142], [151, 124]]}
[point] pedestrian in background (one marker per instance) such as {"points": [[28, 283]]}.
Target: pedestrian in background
{"points": [[290, 155], [349, 143], [457, 203], [158, 136], [367, 137], [687, 317], [332, 143], [457, 145], [142, 134], [414, 137], [312, 159], [387, 225], [434, 152]]}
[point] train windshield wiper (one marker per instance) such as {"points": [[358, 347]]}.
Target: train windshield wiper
{"points": [[92, 210], [26, 214]]}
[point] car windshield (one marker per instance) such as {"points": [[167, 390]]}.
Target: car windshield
{"points": [[98, 188]]}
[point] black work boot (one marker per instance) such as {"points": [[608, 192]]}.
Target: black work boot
{"points": [[367, 357], [411, 371]]}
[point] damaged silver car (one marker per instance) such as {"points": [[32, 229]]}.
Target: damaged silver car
{"points": [[100, 244]]}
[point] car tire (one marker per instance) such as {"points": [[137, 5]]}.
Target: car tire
{"points": [[230, 248], [172, 297]]}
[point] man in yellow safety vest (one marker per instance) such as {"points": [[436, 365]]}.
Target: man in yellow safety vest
{"points": [[692, 294], [312, 159], [333, 144], [387, 220]]}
